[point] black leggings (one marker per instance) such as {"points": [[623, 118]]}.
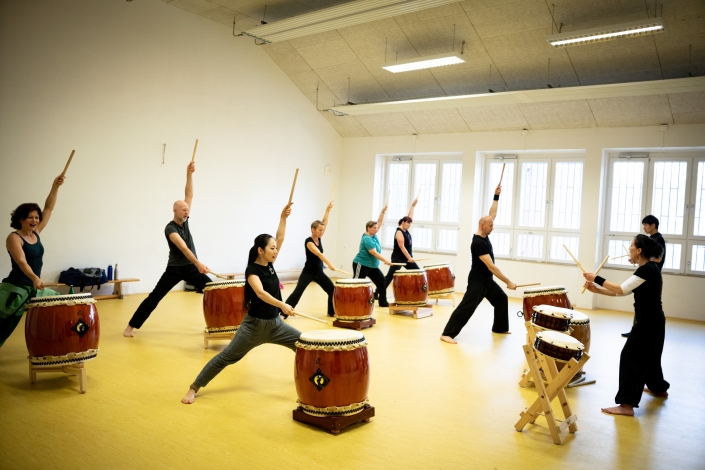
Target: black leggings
{"points": [[392, 269], [477, 291], [377, 278], [304, 280], [172, 276]]}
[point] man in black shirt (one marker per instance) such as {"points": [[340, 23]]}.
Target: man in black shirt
{"points": [[650, 224], [481, 285], [182, 265]]}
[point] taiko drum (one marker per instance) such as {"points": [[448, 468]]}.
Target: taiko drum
{"points": [[224, 305], [411, 287], [580, 330], [559, 346], [555, 296], [552, 318], [441, 279], [353, 299], [62, 329], [332, 372]]}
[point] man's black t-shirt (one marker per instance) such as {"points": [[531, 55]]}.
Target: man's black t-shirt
{"points": [[479, 271], [397, 255], [658, 238], [176, 256], [647, 297], [313, 263], [270, 282]]}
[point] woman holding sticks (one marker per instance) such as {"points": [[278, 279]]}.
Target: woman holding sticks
{"points": [[640, 362], [366, 263], [402, 252], [262, 324]]}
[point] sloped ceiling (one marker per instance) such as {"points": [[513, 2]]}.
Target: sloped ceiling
{"points": [[505, 50]]}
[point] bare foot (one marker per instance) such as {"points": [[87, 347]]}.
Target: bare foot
{"points": [[189, 397], [448, 339], [129, 332], [662, 394], [623, 410], [503, 333]]}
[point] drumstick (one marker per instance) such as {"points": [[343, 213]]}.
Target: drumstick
{"points": [[194, 151], [218, 275], [617, 257], [527, 285], [293, 185], [344, 272], [576, 261], [397, 264], [421, 259], [419, 193], [389, 193], [598, 270], [310, 317], [63, 173], [332, 196], [502, 175]]}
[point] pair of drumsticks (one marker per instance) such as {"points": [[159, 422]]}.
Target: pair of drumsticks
{"points": [[581, 266]]}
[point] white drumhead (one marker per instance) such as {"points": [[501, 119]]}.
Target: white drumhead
{"points": [[332, 336], [437, 266], [558, 312], [234, 283], [547, 289], [579, 318], [61, 299], [561, 340], [410, 272], [352, 282]]}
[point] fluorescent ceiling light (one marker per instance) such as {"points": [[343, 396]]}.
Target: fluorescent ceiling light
{"points": [[607, 33], [341, 16], [424, 62]]}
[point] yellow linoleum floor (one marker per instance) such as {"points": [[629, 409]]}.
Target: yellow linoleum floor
{"points": [[437, 405]]}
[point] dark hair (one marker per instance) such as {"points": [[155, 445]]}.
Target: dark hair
{"points": [[651, 220], [405, 219], [370, 224], [261, 241], [649, 247], [22, 212]]}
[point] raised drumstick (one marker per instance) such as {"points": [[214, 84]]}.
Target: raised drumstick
{"points": [[574, 259], [389, 193], [598, 270], [527, 285], [419, 193], [63, 173], [310, 317], [193, 157], [332, 196], [502, 176], [293, 185]]}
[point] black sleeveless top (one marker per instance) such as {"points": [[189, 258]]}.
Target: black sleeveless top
{"points": [[313, 262], [33, 254], [397, 255], [270, 282]]}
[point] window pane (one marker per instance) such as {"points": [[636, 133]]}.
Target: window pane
{"points": [[501, 243], [627, 181], [388, 235], [668, 200], [530, 245], [448, 239], [398, 189], [422, 237], [425, 180], [568, 189], [557, 250], [697, 260], [699, 226], [617, 248], [451, 179], [504, 209], [673, 256], [532, 201]]}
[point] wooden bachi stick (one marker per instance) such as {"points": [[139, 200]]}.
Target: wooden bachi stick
{"points": [[574, 259], [63, 173], [309, 317], [598, 270], [527, 285], [293, 185], [193, 157]]}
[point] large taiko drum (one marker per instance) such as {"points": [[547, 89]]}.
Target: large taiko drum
{"points": [[549, 317], [332, 372], [559, 346], [441, 279], [353, 299], [62, 329], [224, 305], [411, 288], [556, 296]]}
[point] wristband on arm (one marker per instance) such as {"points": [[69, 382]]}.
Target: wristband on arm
{"points": [[599, 280], [496, 197]]}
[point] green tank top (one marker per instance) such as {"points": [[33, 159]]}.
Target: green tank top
{"points": [[33, 254]]}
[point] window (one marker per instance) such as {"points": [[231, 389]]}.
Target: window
{"points": [[539, 211], [670, 188], [437, 184]]}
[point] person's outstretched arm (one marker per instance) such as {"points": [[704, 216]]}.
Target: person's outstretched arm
{"points": [[281, 230], [325, 216], [50, 203], [188, 193], [256, 285], [495, 203], [413, 206], [487, 259], [181, 245], [380, 219], [312, 248]]}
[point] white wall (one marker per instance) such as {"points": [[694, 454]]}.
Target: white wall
{"points": [[116, 80], [683, 296]]}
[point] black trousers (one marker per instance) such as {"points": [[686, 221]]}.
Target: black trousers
{"points": [[304, 280], [377, 278], [392, 269], [477, 291], [172, 276], [640, 361]]}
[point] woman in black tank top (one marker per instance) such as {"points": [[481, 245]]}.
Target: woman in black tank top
{"points": [[402, 250], [26, 257]]}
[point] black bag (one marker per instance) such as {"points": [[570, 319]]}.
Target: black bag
{"points": [[83, 277]]}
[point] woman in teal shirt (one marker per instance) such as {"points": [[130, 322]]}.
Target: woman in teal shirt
{"points": [[366, 263]]}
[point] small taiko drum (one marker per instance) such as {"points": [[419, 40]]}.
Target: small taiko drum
{"points": [[558, 346], [62, 329], [552, 318], [580, 329], [353, 299], [224, 305], [411, 288], [556, 296], [441, 279], [332, 372]]}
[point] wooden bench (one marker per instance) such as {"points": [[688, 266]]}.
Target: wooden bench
{"points": [[231, 276], [117, 290]]}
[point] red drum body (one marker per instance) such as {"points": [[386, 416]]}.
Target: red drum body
{"points": [[411, 288], [555, 296], [62, 330], [224, 306], [353, 299], [580, 329], [552, 318], [332, 372], [559, 346], [441, 279]]}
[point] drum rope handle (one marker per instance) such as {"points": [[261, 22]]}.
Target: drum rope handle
{"points": [[520, 314]]}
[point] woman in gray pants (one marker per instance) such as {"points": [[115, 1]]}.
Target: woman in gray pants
{"points": [[262, 324]]}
